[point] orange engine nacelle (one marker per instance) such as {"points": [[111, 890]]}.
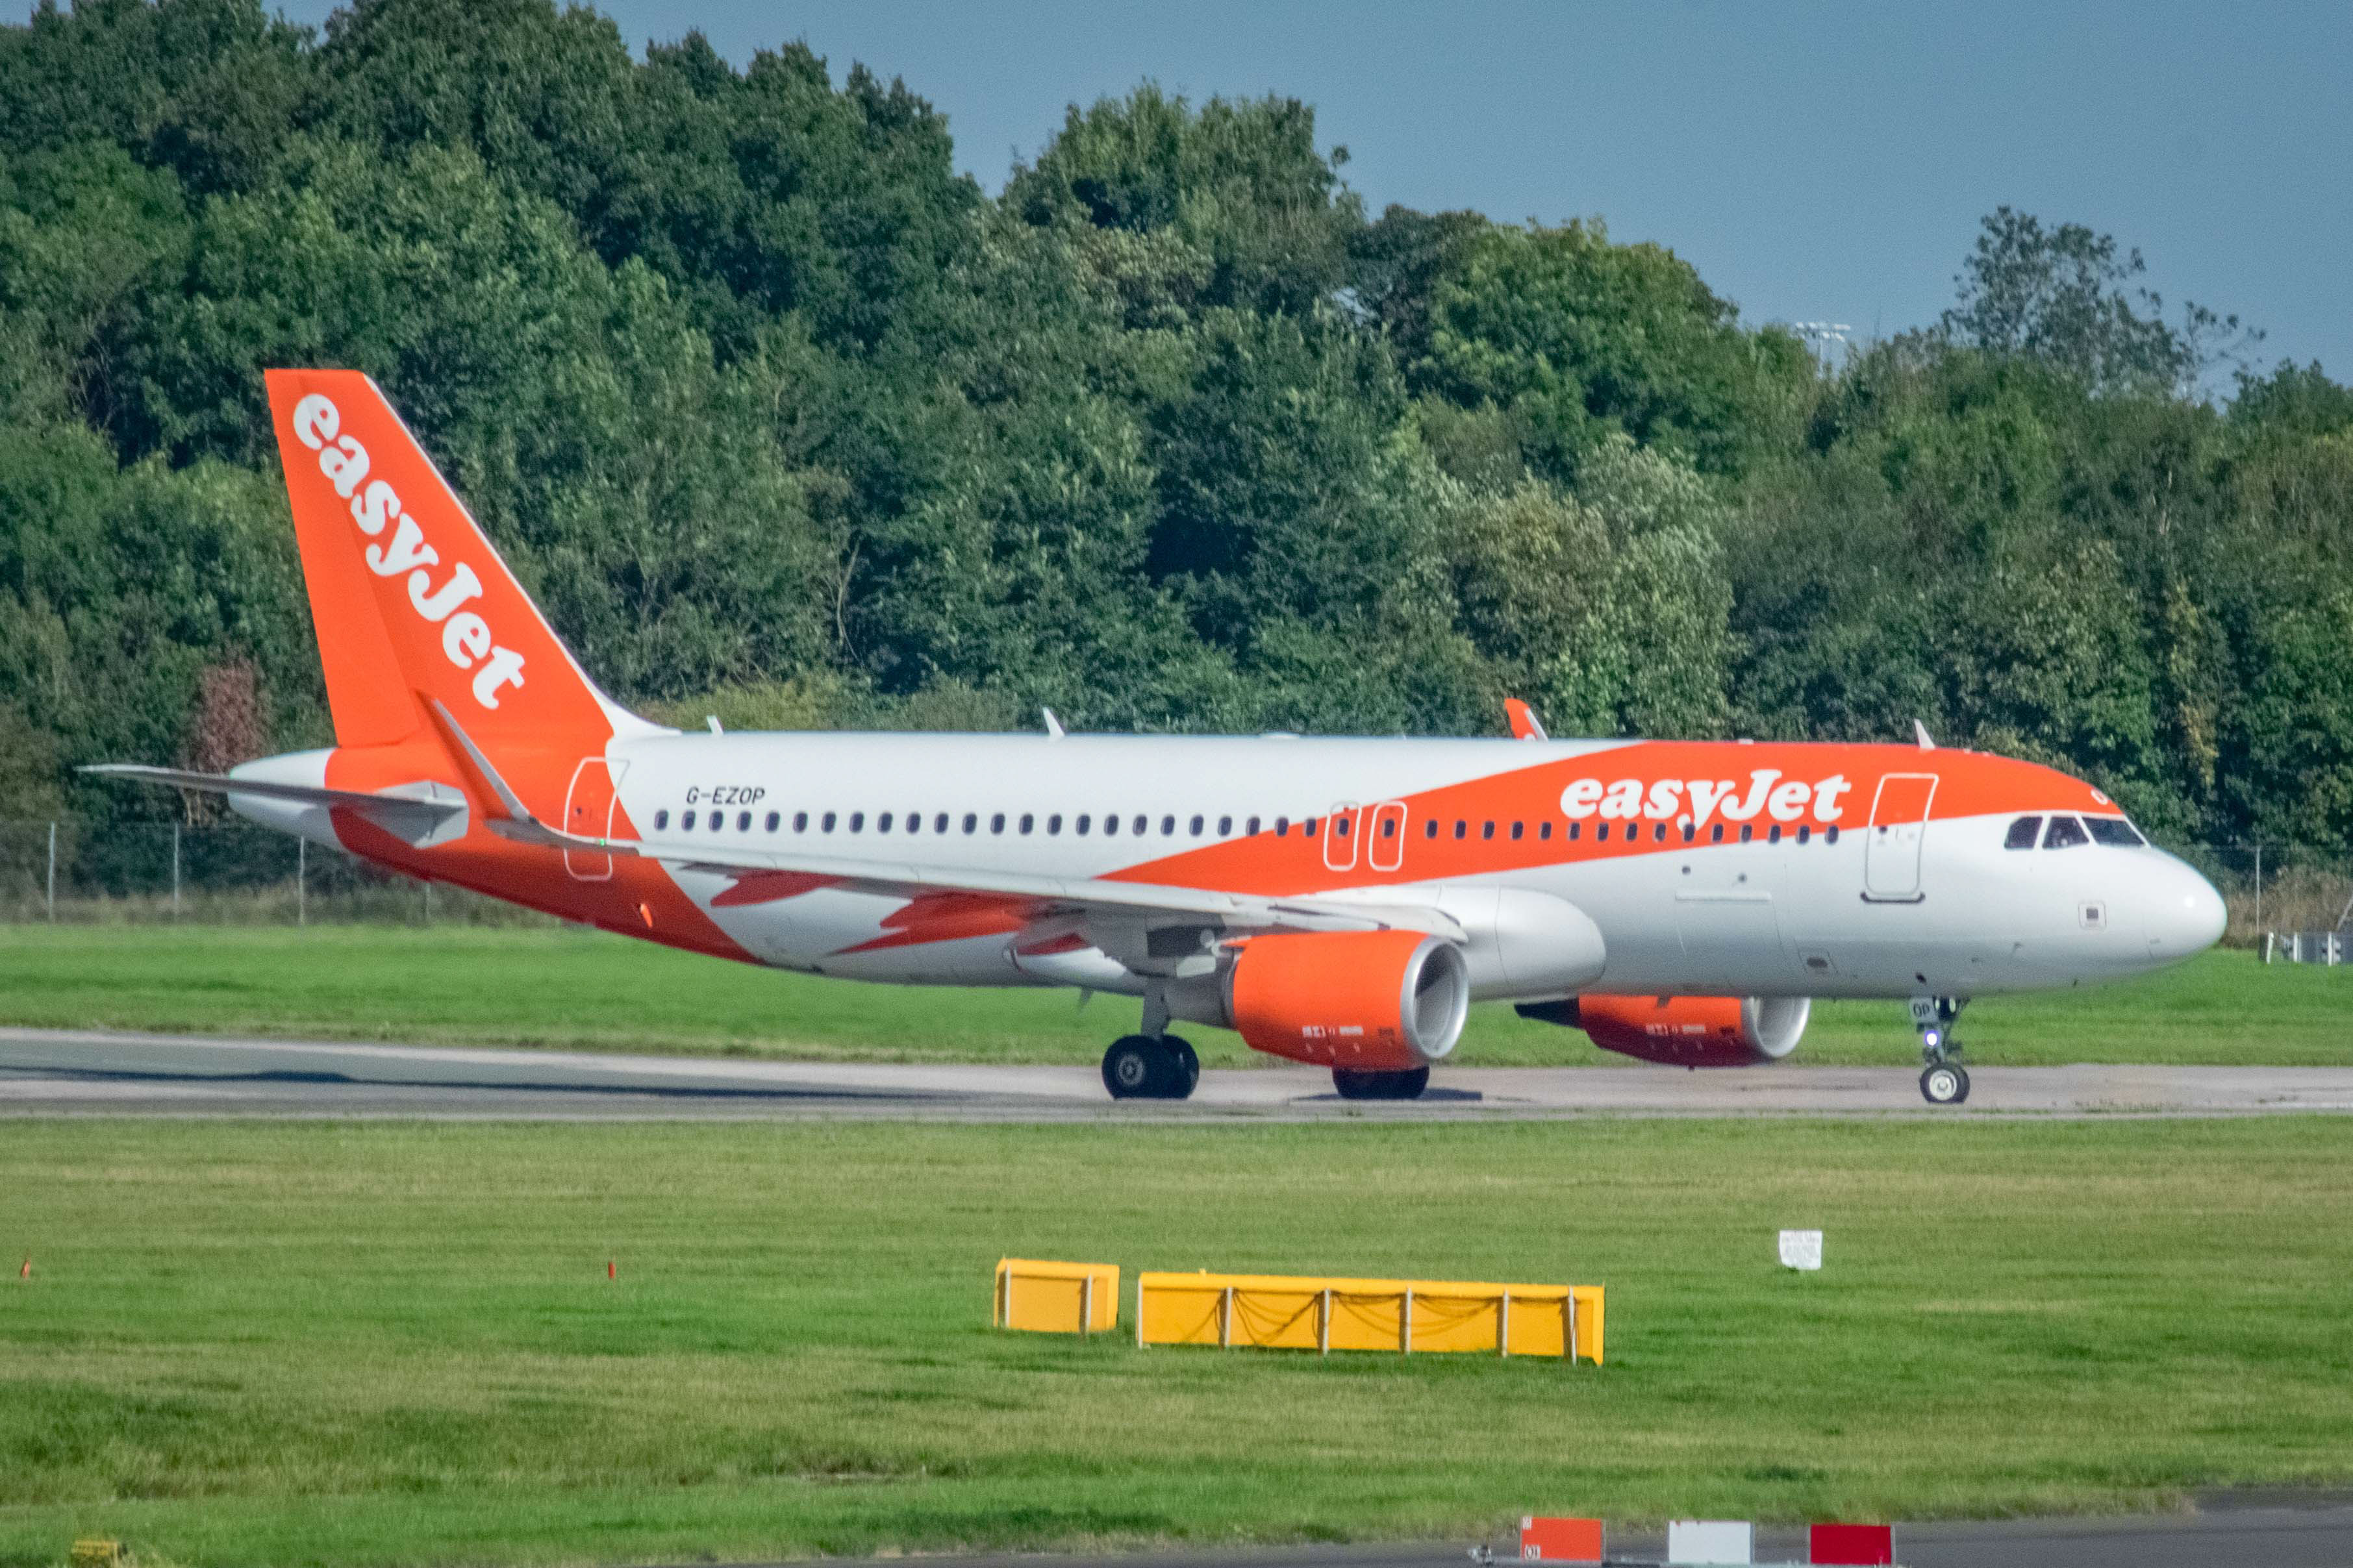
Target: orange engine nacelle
{"points": [[1686, 1031], [1377, 1000]]}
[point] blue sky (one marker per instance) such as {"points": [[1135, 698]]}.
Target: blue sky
{"points": [[1815, 161]]}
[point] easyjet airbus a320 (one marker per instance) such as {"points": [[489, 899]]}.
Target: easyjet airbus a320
{"points": [[1335, 901]]}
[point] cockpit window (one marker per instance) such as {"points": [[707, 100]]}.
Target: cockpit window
{"points": [[2065, 834], [2022, 833], [2114, 830]]}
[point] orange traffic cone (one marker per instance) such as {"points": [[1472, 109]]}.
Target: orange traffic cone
{"points": [[26, 1271], [610, 1273]]}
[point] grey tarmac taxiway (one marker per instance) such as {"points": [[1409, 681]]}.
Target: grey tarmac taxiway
{"points": [[61, 1072]]}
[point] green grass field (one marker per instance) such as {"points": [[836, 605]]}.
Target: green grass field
{"points": [[478, 985], [253, 1344]]}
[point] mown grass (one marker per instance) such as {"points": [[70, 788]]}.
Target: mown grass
{"points": [[396, 1343], [477, 985]]}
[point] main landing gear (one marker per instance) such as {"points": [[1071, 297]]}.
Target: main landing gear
{"points": [[1943, 1080], [1356, 1083], [1151, 1066]]}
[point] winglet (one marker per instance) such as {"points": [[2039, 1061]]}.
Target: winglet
{"points": [[1053, 725], [1525, 725], [1920, 734]]}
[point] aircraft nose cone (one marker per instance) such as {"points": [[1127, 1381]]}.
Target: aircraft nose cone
{"points": [[2189, 916]]}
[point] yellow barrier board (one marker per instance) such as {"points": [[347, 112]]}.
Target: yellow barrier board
{"points": [[1409, 1316], [1055, 1298]]}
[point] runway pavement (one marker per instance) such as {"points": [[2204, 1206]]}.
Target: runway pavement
{"points": [[59, 1072]]}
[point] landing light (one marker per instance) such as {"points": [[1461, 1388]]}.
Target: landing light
{"points": [[1932, 1038]]}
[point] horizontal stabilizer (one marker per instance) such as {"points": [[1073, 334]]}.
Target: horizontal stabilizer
{"points": [[413, 813]]}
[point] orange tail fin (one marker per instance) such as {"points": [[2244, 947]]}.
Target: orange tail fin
{"points": [[410, 600]]}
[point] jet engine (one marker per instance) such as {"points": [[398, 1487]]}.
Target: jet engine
{"points": [[1684, 1031], [1386, 1001]]}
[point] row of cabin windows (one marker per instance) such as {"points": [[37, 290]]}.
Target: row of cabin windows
{"points": [[943, 822], [1685, 832], [2067, 832], [1084, 824]]}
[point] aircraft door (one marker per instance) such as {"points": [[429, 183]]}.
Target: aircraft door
{"points": [[589, 808], [1384, 837], [1891, 851], [1340, 838]]}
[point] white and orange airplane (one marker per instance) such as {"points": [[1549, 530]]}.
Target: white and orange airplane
{"points": [[1338, 901]]}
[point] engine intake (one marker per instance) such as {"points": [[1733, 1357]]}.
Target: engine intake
{"points": [[1684, 1031], [1379, 1001]]}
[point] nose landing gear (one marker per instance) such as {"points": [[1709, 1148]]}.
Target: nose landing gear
{"points": [[1943, 1080]]}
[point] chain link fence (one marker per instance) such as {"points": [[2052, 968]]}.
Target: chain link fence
{"points": [[227, 873], [238, 873]]}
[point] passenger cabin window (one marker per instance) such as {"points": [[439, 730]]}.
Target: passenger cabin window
{"points": [[1194, 828], [914, 822], [1462, 829], [661, 820], [1054, 823], [1250, 826], [1028, 822], [1111, 826], [718, 820], [997, 823], [800, 821], [1830, 833], [2022, 833], [1168, 826], [1430, 828], [882, 823], [1225, 826], [1487, 830], [971, 821], [1282, 827], [687, 821], [2065, 833], [742, 822], [1716, 833], [1544, 830], [1141, 825], [1086, 820], [856, 821], [940, 822], [1748, 831], [776, 820], [2114, 831]]}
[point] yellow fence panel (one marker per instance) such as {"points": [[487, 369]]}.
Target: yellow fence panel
{"points": [[1055, 1298], [1407, 1316]]}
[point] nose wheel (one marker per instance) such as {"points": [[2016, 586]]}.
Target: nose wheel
{"points": [[1151, 1066], [1943, 1080], [1945, 1083]]}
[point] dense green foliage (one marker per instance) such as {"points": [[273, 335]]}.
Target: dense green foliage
{"points": [[780, 417]]}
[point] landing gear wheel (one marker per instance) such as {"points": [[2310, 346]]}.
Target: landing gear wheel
{"points": [[1945, 1083], [1356, 1084], [1188, 1064], [1139, 1067], [1135, 1067]]}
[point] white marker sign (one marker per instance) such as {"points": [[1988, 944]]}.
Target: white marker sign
{"points": [[1801, 1249]]}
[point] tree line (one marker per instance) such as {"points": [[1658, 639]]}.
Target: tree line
{"points": [[783, 419]]}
